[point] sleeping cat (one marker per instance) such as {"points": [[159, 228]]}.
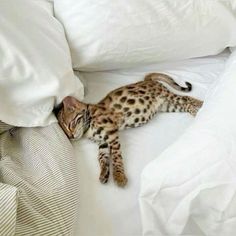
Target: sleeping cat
{"points": [[129, 106]]}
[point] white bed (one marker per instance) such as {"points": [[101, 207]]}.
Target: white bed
{"points": [[181, 170], [108, 210]]}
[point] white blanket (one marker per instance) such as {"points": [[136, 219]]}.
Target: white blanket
{"points": [[190, 189]]}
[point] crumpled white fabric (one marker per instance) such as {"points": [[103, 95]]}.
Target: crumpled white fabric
{"points": [[190, 189], [35, 66]]}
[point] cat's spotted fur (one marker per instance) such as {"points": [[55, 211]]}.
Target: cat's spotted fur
{"points": [[129, 106]]}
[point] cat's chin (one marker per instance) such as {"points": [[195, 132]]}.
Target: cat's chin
{"points": [[74, 139], [77, 136]]}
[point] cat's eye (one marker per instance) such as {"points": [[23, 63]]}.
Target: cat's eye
{"points": [[74, 122]]}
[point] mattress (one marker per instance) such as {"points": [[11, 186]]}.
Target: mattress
{"points": [[108, 210]]}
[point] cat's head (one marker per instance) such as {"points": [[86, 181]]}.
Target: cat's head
{"points": [[72, 117]]}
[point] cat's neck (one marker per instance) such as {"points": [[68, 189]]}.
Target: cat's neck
{"points": [[87, 118]]}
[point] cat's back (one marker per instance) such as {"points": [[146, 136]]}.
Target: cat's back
{"points": [[132, 95]]}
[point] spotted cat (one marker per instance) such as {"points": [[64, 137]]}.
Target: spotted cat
{"points": [[126, 107]]}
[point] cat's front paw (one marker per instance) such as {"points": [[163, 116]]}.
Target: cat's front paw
{"points": [[120, 178]]}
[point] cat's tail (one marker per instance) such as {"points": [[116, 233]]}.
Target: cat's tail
{"points": [[167, 79]]}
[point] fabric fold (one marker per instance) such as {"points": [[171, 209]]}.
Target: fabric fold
{"points": [[190, 188], [39, 183], [8, 209]]}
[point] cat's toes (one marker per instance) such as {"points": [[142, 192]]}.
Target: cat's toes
{"points": [[193, 113], [103, 179], [104, 176], [120, 178]]}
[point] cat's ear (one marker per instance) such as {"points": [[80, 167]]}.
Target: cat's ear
{"points": [[70, 101]]}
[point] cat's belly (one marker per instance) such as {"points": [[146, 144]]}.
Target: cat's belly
{"points": [[139, 115]]}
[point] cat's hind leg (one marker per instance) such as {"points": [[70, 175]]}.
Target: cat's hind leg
{"points": [[103, 158], [178, 103]]}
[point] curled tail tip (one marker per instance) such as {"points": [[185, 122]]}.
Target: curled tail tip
{"points": [[189, 87]]}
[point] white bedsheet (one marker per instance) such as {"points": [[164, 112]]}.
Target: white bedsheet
{"points": [[107, 210]]}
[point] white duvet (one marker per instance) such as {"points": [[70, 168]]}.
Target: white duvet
{"points": [[106, 210], [190, 189]]}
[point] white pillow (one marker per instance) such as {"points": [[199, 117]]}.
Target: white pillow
{"points": [[35, 67], [111, 34]]}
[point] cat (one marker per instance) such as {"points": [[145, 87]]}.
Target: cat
{"points": [[126, 107]]}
